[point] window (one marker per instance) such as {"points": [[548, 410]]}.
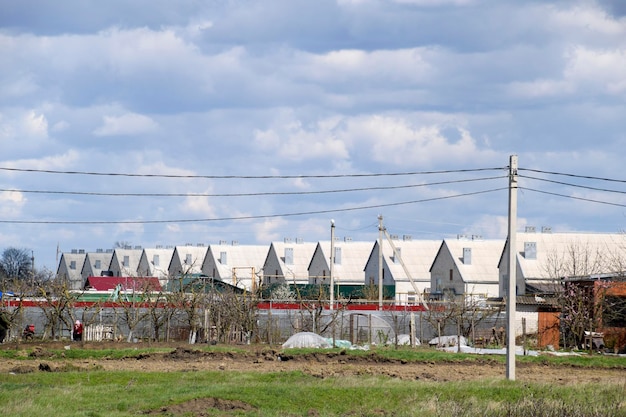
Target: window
{"points": [[98, 264], [188, 259], [73, 265], [126, 261], [451, 274], [155, 260]]}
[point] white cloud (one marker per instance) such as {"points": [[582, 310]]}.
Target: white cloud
{"points": [[127, 124], [11, 204]]}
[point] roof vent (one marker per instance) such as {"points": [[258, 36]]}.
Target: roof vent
{"points": [[407, 238], [287, 240], [299, 240], [223, 242], [546, 229], [530, 229], [74, 250], [394, 237], [347, 239], [235, 242]]}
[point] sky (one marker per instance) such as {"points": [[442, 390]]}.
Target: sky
{"points": [[165, 123]]}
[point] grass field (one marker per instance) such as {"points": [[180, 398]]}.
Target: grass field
{"points": [[96, 392]]}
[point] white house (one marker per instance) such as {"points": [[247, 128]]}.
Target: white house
{"points": [[416, 255], [348, 269], [543, 257], [466, 267], [239, 265], [95, 263], [288, 262], [154, 262], [70, 267], [187, 260], [125, 261]]}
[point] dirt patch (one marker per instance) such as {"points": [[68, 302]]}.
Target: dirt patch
{"points": [[200, 407], [182, 357]]}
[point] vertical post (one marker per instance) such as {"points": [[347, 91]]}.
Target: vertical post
{"points": [[511, 291], [380, 262], [332, 263]]}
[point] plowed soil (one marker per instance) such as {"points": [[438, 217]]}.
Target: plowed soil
{"points": [[184, 357]]}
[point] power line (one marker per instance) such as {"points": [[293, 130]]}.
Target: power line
{"points": [[572, 175], [396, 187], [267, 216], [574, 198], [574, 185], [118, 174]]}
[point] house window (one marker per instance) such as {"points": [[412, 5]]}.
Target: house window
{"points": [[98, 264], [155, 260], [126, 261], [451, 274], [73, 265], [188, 259]]}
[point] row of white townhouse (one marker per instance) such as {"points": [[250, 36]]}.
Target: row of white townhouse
{"points": [[416, 267]]}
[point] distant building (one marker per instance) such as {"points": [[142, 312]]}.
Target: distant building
{"points": [[416, 255], [70, 267], [238, 265], [466, 267], [288, 262]]}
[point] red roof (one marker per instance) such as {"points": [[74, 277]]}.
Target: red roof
{"points": [[137, 284]]}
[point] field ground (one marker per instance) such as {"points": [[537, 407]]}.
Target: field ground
{"points": [[174, 357], [182, 379]]}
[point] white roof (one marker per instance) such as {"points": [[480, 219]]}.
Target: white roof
{"points": [[354, 256], [302, 253], [417, 256], [165, 257], [557, 253], [238, 256], [198, 253], [483, 267]]}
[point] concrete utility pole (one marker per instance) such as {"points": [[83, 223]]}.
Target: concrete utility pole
{"points": [[332, 263], [511, 291], [380, 261]]}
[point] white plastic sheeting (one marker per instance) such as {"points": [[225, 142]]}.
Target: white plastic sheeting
{"points": [[306, 340], [447, 341]]}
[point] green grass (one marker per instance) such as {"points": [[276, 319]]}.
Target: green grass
{"points": [[99, 393]]}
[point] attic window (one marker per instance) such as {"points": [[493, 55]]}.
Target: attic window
{"points": [[396, 256], [467, 256], [155, 260], [73, 265], [288, 256], [126, 261], [188, 259], [530, 250], [98, 264], [337, 256]]}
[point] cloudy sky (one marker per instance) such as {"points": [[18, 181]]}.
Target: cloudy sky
{"points": [[166, 123]]}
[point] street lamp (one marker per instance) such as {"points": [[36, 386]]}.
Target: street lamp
{"points": [[332, 262]]}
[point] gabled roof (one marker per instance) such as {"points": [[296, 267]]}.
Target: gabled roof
{"points": [[165, 257], [603, 252], [238, 256], [136, 284], [417, 256], [117, 261], [198, 253], [354, 256], [483, 268], [66, 261], [89, 266], [302, 253]]}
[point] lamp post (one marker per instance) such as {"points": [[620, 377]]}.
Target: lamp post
{"points": [[332, 263]]}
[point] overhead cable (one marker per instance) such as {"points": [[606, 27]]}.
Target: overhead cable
{"points": [[396, 187], [118, 174], [253, 217]]}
